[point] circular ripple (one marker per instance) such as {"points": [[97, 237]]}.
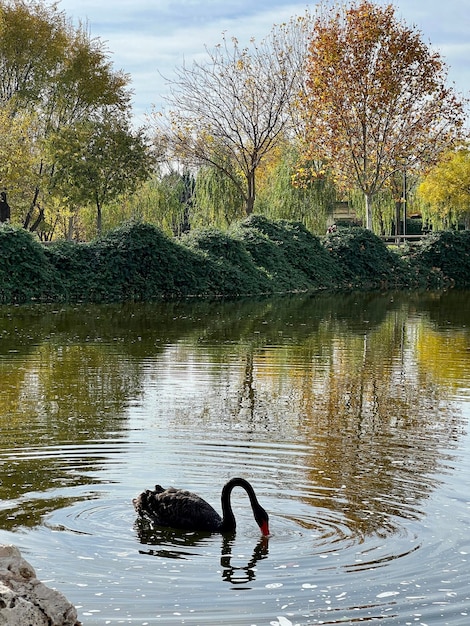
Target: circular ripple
{"points": [[96, 517], [345, 538]]}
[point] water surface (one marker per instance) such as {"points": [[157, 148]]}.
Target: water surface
{"points": [[348, 413]]}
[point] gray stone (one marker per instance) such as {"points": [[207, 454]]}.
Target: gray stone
{"points": [[26, 601]]}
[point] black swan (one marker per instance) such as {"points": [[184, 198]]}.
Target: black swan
{"points": [[182, 509]]}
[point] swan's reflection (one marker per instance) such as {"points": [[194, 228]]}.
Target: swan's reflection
{"points": [[171, 542], [239, 575], [177, 544]]}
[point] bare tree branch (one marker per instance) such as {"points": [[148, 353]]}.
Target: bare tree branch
{"points": [[236, 105]]}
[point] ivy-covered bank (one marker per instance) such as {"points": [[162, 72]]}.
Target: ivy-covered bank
{"points": [[257, 256]]}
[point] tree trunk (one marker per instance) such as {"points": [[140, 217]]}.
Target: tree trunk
{"points": [[250, 199], [368, 199], [39, 219], [70, 226], [32, 206], [98, 219], [398, 217]]}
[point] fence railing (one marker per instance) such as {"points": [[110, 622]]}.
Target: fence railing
{"points": [[401, 239]]}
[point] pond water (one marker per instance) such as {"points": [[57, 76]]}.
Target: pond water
{"points": [[348, 414]]}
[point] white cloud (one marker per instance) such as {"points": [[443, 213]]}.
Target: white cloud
{"points": [[148, 38], [148, 53]]}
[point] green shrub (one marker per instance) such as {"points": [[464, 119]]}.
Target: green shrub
{"points": [[269, 259], [288, 253], [414, 226], [25, 273], [134, 262], [78, 269], [230, 271], [139, 262], [257, 256], [446, 253], [364, 258]]}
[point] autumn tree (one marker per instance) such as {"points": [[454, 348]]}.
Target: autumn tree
{"points": [[228, 111], [376, 98], [446, 189], [97, 161], [32, 39], [54, 75], [17, 151], [33, 36]]}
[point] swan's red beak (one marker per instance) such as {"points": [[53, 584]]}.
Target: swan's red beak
{"points": [[265, 528]]}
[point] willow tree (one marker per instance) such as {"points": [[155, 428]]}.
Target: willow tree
{"points": [[307, 195], [232, 107], [217, 200], [376, 98]]}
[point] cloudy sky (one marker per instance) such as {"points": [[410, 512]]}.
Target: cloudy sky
{"points": [[149, 38]]}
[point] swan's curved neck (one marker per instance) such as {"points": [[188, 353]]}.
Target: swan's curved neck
{"points": [[228, 518]]}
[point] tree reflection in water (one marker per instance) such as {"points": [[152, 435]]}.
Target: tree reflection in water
{"points": [[361, 380], [343, 409]]}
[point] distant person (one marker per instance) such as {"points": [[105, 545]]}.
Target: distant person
{"points": [[4, 207]]}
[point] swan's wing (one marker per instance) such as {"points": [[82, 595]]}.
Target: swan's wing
{"points": [[178, 509]]}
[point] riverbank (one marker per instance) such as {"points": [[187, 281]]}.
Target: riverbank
{"points": [[255, 257], [25, 600]]}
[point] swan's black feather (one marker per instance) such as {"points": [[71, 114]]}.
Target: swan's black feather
{"points": [[177, 508]]}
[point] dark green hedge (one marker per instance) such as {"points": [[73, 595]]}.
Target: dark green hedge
{"points": [[228, 267], [288, 253], [257, 256], [25, 273], [364, 258], [446, 252]]}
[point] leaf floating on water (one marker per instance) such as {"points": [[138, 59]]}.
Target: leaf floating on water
{"points": [[281, 621], [388, 594]]}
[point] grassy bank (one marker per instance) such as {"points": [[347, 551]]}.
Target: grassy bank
{"points": [[257, 256]]}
